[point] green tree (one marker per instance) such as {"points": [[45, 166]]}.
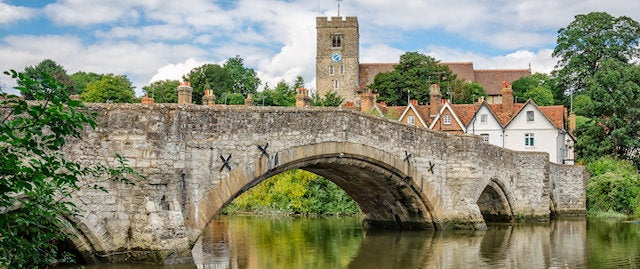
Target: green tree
{"points": [[163, 91], [299, 83], [231, 78], [582, 104], [589, 40], [80, 80], [412, 76], [329, 99], [466, 92], [614, 186], [36, 178], [243, 80], [110, 88], [614, 128], [52, 68], [541, 95]]}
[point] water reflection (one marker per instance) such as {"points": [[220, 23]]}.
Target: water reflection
{"points": [[278, 242], [249, 242]]}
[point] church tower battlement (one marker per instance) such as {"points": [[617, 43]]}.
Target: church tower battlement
{"points": [[337, 57]]}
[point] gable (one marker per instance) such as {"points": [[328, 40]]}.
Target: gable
{"points": [[539, 120], [411, 111], [454, 124]]}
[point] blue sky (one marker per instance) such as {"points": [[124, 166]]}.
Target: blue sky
{"points": [[149, 40]]}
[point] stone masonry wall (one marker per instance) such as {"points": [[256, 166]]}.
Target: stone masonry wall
{"points": [[568, 183]]}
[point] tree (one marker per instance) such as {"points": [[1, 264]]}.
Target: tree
{"points": [[466, 92], [36, 178], [412, 77], [163, 91], [589, 40], [230, 78], [299, 83], [614, 126], [329, 99], [52, 68], [80, 79], [541, 95], [110, 88]]}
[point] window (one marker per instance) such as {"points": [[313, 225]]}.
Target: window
{"points": [[331, 70], [485, 137], [411, 120], [446, 119], [336, 84], [342, 70], [483, 119], [528, 140], [336, 41], [529, 116]]}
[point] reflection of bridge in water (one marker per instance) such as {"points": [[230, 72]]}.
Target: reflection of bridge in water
{"points": [[240, 242], [199, 158]]}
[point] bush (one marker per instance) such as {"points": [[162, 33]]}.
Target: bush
{"points": [[614, 186], [294, 192]]}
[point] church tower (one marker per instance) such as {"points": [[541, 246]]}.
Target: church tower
{"points": [[337, 57]]}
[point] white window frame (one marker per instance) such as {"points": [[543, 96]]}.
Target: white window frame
{"points": [[530, 116], [341, 69], [336, 84], [529, 140], [331, 70], [485, 138], [411, 120], [484, 118], [446, 119]]}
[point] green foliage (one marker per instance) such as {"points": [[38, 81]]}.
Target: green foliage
{"points": [[281, 95], [329, 99], [614, 186], [35, 177], [110, 88], [582, 104], [231, 78], [294, 192], [614, 129], [589, 40], [412, 76], [80, 80], [163, 91], [541, 95], [466, 92], [51, 68]]}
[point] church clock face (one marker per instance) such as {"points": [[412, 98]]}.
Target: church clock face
{"points": [[336, 57]]}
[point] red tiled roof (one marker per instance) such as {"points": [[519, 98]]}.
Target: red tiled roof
{"points": [[491, 80], [504, 117], [556, 114], [464, 70], [465, 112]]}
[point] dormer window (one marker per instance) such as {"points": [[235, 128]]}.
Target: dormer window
{"points": [[336, 41]]}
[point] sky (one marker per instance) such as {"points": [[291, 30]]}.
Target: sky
{"points": [[150, 40]]}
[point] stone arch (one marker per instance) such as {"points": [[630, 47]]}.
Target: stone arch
{"points": [[387, 188], [87, 235], [495, 202]]}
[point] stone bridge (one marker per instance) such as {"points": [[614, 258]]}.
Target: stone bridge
{"points": [[197, 159]]}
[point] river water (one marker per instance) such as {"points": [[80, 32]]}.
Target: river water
{"points": [[282, 242]]}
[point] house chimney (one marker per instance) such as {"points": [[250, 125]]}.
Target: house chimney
{"points": [[302, 98], [208, 98], [572, 122], [382, 104], [434, 100], [507, 98], [249, 100], [414, 102], [146, 99], [185, 93], [367, 100]]}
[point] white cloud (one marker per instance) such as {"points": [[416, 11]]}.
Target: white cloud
{"points": [[541, 60], [176, 71], [10, 13]]}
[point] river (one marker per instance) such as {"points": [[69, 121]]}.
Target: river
{"points": [[339, 242]]}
